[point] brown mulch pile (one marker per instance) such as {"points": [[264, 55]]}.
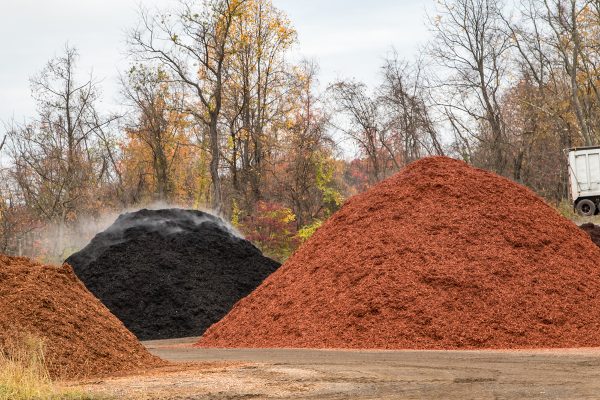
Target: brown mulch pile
{"points": [[82, 338], [439, 256]]}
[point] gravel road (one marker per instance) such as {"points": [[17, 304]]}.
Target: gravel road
{"points": [[333, 374]]}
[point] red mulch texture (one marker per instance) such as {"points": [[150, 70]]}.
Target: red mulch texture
{"points": [[82, 338], [439, 256]]}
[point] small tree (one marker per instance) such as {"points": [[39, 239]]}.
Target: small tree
{"points": [[272, 227]]}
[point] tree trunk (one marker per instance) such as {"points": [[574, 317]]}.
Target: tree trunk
{"points": [[163, 188], [214, 163]]}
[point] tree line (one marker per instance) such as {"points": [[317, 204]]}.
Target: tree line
{"points": [[215, 115]]}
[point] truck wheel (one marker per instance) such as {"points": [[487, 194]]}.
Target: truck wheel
{"points": [[586, 207]]}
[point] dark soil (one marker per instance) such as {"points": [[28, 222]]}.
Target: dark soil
{"points": [[170, 273], [81, 337], [439, 256], [593, 231]]}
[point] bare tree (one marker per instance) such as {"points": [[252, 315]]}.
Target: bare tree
{"points": [[535, 102], [57, 164], [392, 126], [362, 122], [590, 61], [402, 95], [192, 45], [563, 17], [471, 48], [558, 46]]}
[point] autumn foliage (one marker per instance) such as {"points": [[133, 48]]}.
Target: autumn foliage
{"points": [[217, 114]]}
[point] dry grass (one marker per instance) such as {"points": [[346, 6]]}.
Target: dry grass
{"points": [[24, 375], [565, 208]]}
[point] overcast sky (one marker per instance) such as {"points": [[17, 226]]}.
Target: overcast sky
{"points": [[348, 38]]}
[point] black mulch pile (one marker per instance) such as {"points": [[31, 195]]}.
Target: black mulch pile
{"points": [[170, 273], [593, 231]]}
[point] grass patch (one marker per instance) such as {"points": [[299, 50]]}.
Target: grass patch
{"points": [[24, 375], [565, 208]]}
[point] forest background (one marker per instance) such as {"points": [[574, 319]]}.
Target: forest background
{"points": [[216, 115]]}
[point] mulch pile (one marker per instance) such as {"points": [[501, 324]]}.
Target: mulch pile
{"points": [[82, 338], [439, 256], [170, 273], [593, 231]]}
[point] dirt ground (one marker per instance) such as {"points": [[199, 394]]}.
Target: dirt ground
{"points": [[327, 374]]}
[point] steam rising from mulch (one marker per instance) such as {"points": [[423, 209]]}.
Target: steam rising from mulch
{"points": [[170, 273], [439, 256]]}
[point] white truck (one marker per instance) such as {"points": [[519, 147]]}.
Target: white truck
{"points": [[584, 178]]}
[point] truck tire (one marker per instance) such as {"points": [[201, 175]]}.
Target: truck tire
{"points": [[586, 208]]}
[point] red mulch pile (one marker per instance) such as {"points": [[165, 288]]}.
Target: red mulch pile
{"points": [[593, 231], [439, 256], [82, 338]]}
